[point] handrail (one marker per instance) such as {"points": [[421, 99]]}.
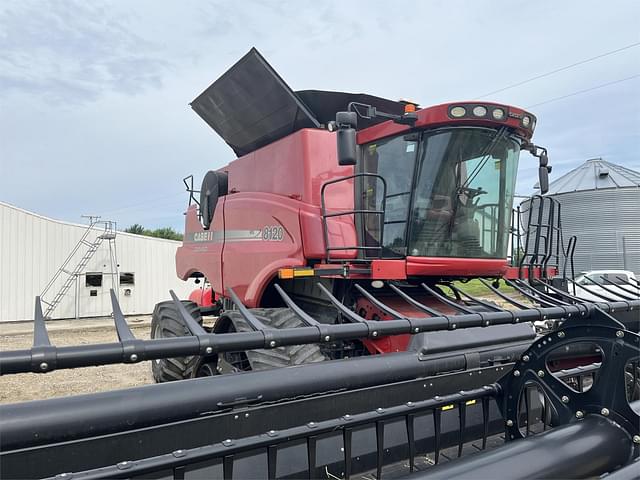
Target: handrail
{"points": [[355, 211]]}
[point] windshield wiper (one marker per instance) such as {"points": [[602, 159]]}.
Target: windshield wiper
{"points": [[486, 154], [487, 151]]}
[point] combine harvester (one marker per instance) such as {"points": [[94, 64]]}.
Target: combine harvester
{"points": [[336, 247]]}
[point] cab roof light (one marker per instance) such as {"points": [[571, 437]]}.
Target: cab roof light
{"points": [[498, 114], [480, 111], [458, 111], [490, 112]]}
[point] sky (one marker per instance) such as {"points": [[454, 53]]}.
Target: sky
{"points": [[94, 96]]}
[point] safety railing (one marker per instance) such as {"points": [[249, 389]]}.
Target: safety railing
{"points": [[363, 213], [539, 242]]}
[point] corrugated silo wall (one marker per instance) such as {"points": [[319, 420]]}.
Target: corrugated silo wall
{"points": [[607, 225]]}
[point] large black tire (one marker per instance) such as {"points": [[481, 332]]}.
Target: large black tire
{"points": [[276, 318], [166, 322]]}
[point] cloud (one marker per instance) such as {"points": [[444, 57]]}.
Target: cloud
{"points": [[94, 114], [73, 52]]}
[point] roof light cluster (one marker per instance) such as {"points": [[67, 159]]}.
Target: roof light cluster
{"points": [[491, 112], [478, 111]]}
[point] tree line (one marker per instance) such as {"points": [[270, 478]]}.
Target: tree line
{"points": [[165, 232]]}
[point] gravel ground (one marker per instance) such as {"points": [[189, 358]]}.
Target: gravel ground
{"points": [[34, 386]]}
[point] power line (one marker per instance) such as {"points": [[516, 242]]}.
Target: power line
{"points": [[561, 69], [143, 203], [579, 92], [142, 208]]}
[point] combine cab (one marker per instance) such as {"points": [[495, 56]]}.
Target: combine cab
{"points": [[336, 253]]}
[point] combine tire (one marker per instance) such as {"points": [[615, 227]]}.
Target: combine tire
{"points": [[277, 318], [165, 323]]}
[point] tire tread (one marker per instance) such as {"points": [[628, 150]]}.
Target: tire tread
{"points": [[167, 318], [277, 318]]}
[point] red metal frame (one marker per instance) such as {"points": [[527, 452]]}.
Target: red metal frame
{"points": [[203, 297], [451, 267], [396, 343], [517, 272], [438, 116]]}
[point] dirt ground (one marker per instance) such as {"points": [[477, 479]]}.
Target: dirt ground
{"points": [[60, 383]]}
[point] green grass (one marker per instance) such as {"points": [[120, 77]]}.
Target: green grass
{"points": [[477, 289]]}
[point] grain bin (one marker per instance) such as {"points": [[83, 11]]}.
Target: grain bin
{"points": [[600, 204]]}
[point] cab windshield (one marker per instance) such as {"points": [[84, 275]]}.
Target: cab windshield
{"points": [[449, 192]]}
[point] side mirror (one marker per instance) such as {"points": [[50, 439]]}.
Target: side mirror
{"points": [[543, 174], [544, 159], [347, 119], [544, 169], [347, 149], [346, 138]]}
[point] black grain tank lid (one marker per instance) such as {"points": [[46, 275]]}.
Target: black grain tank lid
{"points": [[250, 106], [324, 105]]}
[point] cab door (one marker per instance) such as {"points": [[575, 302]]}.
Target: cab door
{"points": [[394, 160]]}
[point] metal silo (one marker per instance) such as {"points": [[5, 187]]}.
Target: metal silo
{"points": [[600, 204]]}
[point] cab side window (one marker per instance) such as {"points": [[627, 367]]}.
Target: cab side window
{"points": [[394, 160]]}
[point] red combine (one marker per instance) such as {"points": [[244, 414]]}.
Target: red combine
{"points": [[333, 187], [346, 228]]}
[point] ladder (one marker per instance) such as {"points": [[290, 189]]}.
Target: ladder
{"points": [[106, 231]]}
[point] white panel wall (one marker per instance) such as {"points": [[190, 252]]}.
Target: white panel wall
{"points": [[33, 247]]}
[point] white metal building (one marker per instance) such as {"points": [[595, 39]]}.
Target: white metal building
{"points": [[33, 248]]}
